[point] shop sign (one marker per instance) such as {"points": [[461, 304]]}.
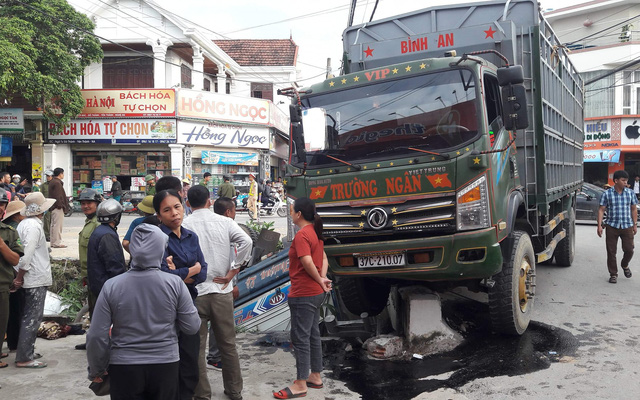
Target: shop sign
{"points": [[612, 156], [212, 134], [280, 120], [6, 147], [11, 120], [630, 132], [108, 103], [115, 131], [229, 158], [597, 130], [212, 106]]}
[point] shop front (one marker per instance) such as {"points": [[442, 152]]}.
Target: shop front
{"points": [[124, 133]]}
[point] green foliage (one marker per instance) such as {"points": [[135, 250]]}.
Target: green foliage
{"points": [[44, 47], [257, 227], [73, 295]]}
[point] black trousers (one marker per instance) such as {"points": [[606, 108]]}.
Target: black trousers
{"points": [[189, 347], [16, 306], [144, 381]]}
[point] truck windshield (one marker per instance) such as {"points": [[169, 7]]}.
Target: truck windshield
{"points": [[434, 112]]}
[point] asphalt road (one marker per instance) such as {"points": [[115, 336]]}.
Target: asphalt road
{"points": [[583, 345]]}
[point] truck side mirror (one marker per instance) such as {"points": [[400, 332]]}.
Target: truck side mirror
{"points": [[510, 75], [514, 104]]}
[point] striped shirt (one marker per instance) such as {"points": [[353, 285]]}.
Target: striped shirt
{"points": [[619, 207]]}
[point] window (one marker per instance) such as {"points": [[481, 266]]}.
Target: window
{"points": [[127, 72], [185, 77], [262, 91], [206, 85], [599, 97], [631, 92]]}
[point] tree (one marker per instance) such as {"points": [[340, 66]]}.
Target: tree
{"points": [[45, 46]]}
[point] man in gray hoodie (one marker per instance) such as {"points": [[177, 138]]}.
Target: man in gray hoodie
{"points": [[146, 308]]}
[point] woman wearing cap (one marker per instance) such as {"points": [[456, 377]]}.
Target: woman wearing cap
{"points": [[34, 275], [308, 266], [146, 209]]}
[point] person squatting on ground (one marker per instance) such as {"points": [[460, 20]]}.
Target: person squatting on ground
{"points": [[10, 252], [89, 201], [60, 207], [308, 267], [182, 257], [34, 275], [622, 217], [215, 298], [146, 308], [105, 258], [225, 207]]}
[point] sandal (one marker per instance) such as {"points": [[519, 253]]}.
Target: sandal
{"points": [[32, 364], [613, 279], [4, 355], [627, 272], [3, 364], [286, 394], [314, 385]]}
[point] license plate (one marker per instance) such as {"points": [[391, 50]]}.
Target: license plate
{"points": [[381, 260]]}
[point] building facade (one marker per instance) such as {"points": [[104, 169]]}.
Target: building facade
{"points": [[170, 99]]}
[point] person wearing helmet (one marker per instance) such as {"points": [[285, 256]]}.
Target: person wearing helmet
{"points": [[151, 184], [10, 252], [105, 258], [89, 200], [44, 188], [146, 209]]}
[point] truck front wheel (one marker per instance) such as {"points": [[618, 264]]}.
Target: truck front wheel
{"points": [[363, 295], [511, 298], [567, 247]]}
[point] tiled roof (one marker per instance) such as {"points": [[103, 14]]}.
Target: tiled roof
{"points": [[260, 52]]}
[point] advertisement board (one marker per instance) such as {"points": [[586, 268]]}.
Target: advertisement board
{"points": [[11, 120], [115, 131], [229, 158], [223, 135], [602, 156], [110, 103]]}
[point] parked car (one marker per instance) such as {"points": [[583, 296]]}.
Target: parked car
{"points": [[588, 202]]}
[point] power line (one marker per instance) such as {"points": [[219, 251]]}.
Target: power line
{"points": [[603, 30]]}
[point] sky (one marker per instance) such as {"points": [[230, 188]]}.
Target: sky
{"points": [[315, 26]]}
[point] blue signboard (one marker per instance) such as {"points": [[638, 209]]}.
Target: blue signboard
{"points": [[612, 156], [6, 146], [229, 158]]}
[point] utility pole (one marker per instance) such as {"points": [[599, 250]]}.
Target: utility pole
{"points": [[329, 75]]}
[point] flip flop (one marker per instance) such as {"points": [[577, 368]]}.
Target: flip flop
{"points": [[4, 355], [314, 385], [33, 364], [3, 364], [286, 394]]}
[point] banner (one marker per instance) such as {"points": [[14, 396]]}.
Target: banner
{"points": [[11, 120], [229, 158], [108, 103], [115, 131], [612, 156], [222, 107], [6, 147], [202, 133]]}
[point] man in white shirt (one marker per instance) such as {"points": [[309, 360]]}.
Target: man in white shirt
{"points": [[34, 275], [215, 297], [636, 187]]}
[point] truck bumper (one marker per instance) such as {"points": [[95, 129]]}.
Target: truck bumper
{"points": [[461, 256]]}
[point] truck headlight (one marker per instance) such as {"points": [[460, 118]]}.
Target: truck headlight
{"points": [[473, 205]]}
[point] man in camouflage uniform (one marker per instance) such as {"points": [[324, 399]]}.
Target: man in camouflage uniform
{"points": [[89, 200], [44, 188], [10, 252]]}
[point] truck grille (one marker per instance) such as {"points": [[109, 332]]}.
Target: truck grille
{"points": [[434, 213]]}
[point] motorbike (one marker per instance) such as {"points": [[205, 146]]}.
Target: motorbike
{"points": [[273, 206], [73, 206]]}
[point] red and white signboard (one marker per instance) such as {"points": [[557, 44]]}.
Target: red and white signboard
{"points": [[108, 103]]}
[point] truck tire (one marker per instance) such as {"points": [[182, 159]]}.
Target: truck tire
{"points": [[566, 249], [252, 234], [363, 295], [511, 298]]}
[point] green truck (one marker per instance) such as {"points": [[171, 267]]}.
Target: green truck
{"points": [[449, 153]]}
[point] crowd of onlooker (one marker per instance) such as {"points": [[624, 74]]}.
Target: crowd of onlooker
{"points": [[150, 318]]}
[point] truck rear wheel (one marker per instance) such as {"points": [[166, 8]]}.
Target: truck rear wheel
{"points": [[511, 298], [566, 249], [363, 295]]}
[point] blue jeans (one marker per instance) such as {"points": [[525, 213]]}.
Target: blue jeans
{"points": [[305, 333]]}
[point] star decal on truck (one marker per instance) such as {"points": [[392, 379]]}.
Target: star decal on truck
{"points": [[489, 32], [368, 52]]}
